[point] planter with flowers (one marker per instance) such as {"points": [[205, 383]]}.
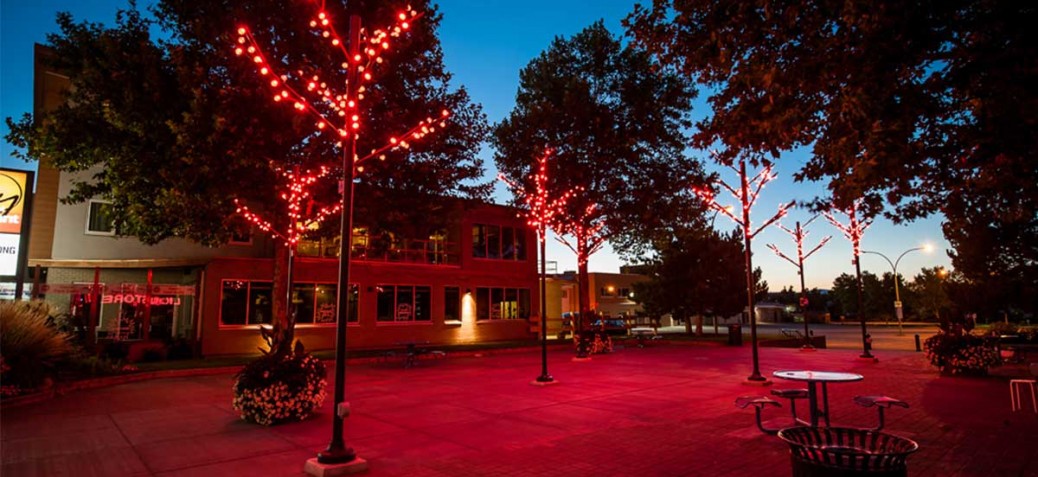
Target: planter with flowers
{"points": [[954, 350], [282, 385]]}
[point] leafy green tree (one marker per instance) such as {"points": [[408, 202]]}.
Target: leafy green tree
{"points": [[929, 293], [845, 295], [173, 129], [697, 273], [614, 119], [921, 105]]}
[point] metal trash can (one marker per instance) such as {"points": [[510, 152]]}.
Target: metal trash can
{"points": [[846, 452], [734, 334]]}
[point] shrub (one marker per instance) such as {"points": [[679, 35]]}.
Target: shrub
{"points": [[999, 328], [276, 388], [957, 353], [30, 344], [283, 384]]}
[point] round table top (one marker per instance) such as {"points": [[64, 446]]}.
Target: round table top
{"points": [[827, 376]]}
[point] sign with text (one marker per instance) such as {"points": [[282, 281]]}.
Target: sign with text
{"points": [[133, 289], [15, 187]]}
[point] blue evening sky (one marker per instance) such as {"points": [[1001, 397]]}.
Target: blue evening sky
{"points": [[485, 44]]}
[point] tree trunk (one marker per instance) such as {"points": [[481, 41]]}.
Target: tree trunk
{"points": [[279, 302], [699, 324], [688, 323], [584, 293]]}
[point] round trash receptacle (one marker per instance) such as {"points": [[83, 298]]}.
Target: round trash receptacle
{"points": [[846, 452], [734, 334]]}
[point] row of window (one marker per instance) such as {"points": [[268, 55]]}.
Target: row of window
{"points": [[498, 242], [488, 241], [244, 302]]}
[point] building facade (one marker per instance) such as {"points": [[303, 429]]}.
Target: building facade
{"points": [[475, 281]]}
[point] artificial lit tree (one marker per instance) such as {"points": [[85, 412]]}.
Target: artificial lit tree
{"points": [[587, 228], [799, 233], [746, 195], [300, 218], [341, 115], [541, 212], [853, 230]]}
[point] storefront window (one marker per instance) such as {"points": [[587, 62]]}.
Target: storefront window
{"points": [[403, 303], [452, 304], [502, 303], [243, 302]]}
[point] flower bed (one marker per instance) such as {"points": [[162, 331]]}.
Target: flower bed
{"points": [[963, 353], [278, 388]]}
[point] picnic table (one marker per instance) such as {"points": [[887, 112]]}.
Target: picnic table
{"points": [[819, 409]]}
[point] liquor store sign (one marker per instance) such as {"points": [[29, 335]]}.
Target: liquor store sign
{"points": [[15, 187]]}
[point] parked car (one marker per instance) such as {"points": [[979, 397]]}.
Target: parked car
{"points": [[614, 327]]}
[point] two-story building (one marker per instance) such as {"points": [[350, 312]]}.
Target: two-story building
{"points": [[475, 281]]}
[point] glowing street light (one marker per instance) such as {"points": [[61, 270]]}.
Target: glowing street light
{"points": [[897, 294]]}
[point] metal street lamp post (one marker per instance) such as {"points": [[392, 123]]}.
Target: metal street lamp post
{"points": [[897, 294], [544, 377], [747, 193]]}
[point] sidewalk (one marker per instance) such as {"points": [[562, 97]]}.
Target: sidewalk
{"points": [[664, 410]]}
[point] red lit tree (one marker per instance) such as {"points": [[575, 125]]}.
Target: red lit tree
{"points": [[747, 193], [541, 212], [799, 233], [335, 113], [854, 230], [301, 217]]}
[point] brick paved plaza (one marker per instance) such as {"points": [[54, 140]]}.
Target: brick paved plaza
{"points": [[665, 410]]}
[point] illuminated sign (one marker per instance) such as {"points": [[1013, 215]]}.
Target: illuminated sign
{"points": [[14, 192], [132, 299]]}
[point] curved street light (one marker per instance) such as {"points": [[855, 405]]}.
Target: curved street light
{"points": [[897, 294]]}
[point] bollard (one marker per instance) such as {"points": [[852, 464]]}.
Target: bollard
{"points": [[917, 346]]}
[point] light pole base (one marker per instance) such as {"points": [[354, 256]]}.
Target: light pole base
{"points": [[868, 358], [581, 359], [317, 469], [757, 382], [543, 381]]}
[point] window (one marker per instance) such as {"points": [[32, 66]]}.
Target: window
{"points": [[497, 242], [99, 218], [502, 303], [315, 303], [452, 304], [246, 303], [403, 303]]}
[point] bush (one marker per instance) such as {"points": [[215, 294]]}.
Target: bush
{"points": [[957, 353], [999, 328], [30, 344], [278, 388]]}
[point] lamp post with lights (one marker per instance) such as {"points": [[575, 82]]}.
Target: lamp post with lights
{"points": [[897, 294], [747, 192], [541, 211], [853, 230], [798, 235], [339, 114]]}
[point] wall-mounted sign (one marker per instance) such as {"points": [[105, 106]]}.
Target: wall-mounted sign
{"points": [[15, 190]]}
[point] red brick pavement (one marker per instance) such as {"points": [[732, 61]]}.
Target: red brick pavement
{"points": [[664, 411]]}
